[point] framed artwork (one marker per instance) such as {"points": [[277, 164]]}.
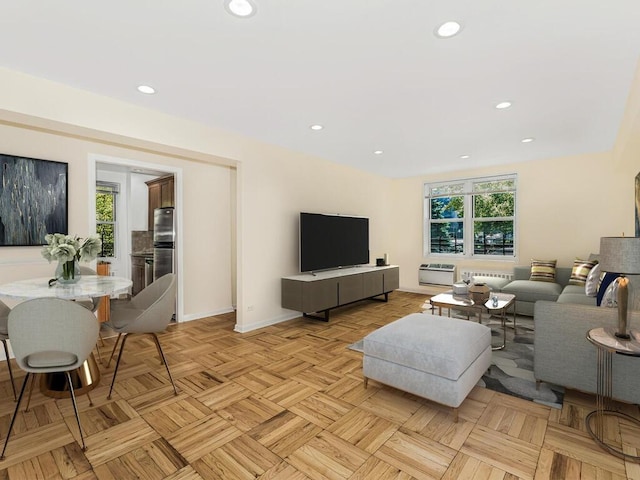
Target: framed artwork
{"points": [[33, 200]]}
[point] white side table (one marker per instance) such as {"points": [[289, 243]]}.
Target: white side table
{"points": [[607, 344], [505, 300]]}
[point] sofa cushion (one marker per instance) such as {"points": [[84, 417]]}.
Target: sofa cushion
{"points": [[494, 283], [575, 294], [580, 271], [531, 291], [543, 270], [593, 281], [604, 284], [610, 297], [437, 345]]}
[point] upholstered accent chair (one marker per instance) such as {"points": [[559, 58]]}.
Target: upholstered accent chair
{"points": [[50, 335], [4, 336], [149, 312]]}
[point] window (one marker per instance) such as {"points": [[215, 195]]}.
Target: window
{"points": [[471, 217], [106, 217]]}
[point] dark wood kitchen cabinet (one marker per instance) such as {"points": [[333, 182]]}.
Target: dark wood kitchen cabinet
{"points": [[160, 195], [137, 273]]}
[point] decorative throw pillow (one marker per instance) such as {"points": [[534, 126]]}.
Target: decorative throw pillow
{"points": [[610, 297], [604, 284], [543, 270], [593, 280], [580, 271]]}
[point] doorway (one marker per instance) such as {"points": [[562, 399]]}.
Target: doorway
{"points": [[132, 209]]}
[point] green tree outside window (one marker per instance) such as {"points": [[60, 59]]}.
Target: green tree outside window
{"points": [[106, 217]]}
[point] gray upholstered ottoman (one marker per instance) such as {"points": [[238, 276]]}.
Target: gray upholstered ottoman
{"points": [[434, 357]]}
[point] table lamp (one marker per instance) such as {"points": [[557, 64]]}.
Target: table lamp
{"points": [[621, 255]]}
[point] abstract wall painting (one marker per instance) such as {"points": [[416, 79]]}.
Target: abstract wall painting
{"points": [[33, 200]]}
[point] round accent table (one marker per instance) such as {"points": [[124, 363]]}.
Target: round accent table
{"points": [[607, 343]]}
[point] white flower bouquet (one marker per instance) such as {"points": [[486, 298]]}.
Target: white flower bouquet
{"points": [[68, 250]]}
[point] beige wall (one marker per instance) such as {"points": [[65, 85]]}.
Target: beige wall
{"points": [[207, 196], [626, 155], [564, 204], [277, 187], [272, 186]]}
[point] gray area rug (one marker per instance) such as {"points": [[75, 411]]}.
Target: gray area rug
{"points": [[511, 369]]}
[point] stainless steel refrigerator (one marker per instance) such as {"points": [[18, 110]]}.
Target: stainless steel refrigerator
{"points": [[164, 238]]}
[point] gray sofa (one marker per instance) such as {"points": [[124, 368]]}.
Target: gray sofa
{"points": [[528, 292], [562, 315], [564, 356]]}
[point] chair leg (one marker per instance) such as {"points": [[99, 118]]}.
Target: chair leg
{"points": [[75, 409], [33, 381], [99, 343], [160, 354], [114, 350], [115, 372], [15, 414], [6, 353], [164, 360], [99, 353]]}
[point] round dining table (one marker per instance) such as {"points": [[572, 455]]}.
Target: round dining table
{"points": [[85, 286], [86, 377]]}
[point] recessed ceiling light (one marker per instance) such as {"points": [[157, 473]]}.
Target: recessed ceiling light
{"points": [[503, 105], [147, 89], [378, 152], [316, 127], [464, 156], [240, 8], [448, 29], [527, 140]]}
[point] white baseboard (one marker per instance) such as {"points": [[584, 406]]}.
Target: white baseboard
{"points": [[427, 289], [266, 323], [213, 313]]}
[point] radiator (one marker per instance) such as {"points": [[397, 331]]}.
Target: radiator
{"points": [[437, 274], [470, 274]]}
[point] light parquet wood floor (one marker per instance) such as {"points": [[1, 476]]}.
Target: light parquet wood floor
{"points": [[287, 402]]}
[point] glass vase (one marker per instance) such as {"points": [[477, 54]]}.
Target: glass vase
{"points": [[68, 272]]}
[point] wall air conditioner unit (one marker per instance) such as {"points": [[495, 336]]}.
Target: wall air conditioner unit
{"points": [[437, 274]]}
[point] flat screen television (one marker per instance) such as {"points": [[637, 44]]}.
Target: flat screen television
{"points": [[332, 241]]}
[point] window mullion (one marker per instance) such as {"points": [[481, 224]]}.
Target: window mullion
{"points": [[469, 218]]}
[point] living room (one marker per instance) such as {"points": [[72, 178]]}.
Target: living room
{"points": [[226, 268], [252, 193], [597, 188]]}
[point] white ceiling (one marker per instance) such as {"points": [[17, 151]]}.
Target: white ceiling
{"points": [[370, 71]]}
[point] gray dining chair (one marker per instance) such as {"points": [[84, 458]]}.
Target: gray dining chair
{"points": [[4, 336], [149, 312], [50, 335]]}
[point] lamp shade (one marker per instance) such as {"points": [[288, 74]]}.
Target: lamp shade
{"points": [[620, 255]]}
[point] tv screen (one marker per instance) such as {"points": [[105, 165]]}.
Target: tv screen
{"points": [[33, 200], [332, 241]]}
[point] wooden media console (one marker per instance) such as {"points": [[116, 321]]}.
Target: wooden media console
{"points": [[322, 291]]}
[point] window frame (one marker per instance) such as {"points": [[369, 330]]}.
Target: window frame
{"points": [[113, 189], [468, 218]]}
